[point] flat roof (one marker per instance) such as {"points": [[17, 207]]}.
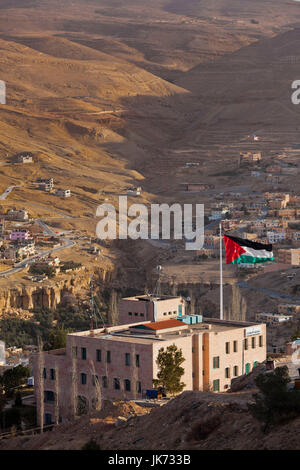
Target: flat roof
{"points": [[161, 325], [129, 333], [151, 297]]}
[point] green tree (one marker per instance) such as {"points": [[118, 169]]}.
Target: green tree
{"points": [[57, 339], [91, 445], [170, 370], [275, 403], [13, 378]]}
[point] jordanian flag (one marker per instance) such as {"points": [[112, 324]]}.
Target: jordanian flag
{"points": [[239, 250]]}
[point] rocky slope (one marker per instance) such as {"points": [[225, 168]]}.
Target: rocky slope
{"points": [[193, 420]]}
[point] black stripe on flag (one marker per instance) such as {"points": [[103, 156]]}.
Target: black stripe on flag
{"points": [[249, 244]]}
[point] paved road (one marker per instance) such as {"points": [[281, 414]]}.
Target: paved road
{"points": [[46, 229], [20, 266], [8, 191], [269, 292]]}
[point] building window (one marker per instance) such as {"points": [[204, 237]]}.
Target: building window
{"points": [[98, 355], [253, 342], [170, 313], [49, 396], [83, 379], [141, 314], [255, 363], [165, 313], [227, 373], [137, 360], [216, 362], [52, 374], [127, 385], [95, 380], [135, 314], [216, 385], [260, 341], [247, 368], [116, 384], [127, 359], [108, 356], [235, 346], [227, 348], [139, 387], [45, 373], [130, 314], [246, 344], [104, 382], [83, 354], [235, 371]]}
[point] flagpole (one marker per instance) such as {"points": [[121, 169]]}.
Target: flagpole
{"points": [[221, 274]]}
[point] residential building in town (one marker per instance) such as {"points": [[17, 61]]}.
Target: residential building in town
{"points": [[290, 309], [17, 214], [249, 157], [19, 250], [288, 213], [19, 235], [121, 362], [25, 158], [293, 348], [46, 184], [218, 214], [276, 237], [273, 318], [289, 256], [63, 192]]}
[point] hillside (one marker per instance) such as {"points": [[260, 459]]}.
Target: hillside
{"points": [[192, 421], [116, 94]]}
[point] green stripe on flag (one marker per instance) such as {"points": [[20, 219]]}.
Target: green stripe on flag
{"points": [[250, 259]]}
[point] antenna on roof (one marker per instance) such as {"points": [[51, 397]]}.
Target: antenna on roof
{"points": [[158, 283]]}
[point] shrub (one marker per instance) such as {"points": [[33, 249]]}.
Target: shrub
{"points": [[275, 403], [91, 445], [202, 429]]}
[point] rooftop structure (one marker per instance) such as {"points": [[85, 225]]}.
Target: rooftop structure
{"points": [[150, 307]]}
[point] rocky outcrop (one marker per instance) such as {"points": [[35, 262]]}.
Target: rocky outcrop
{"points": [[30, 297]]}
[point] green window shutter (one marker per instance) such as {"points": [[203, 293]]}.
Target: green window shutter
{"points": [[216, 385]]}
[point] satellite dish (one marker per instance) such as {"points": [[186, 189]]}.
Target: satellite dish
{"points": [[188, 299], [159, 268]]}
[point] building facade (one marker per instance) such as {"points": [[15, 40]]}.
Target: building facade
{"points": [[120, 362]]}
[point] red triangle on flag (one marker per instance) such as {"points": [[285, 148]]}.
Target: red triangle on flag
{"points": [[233, 249]]}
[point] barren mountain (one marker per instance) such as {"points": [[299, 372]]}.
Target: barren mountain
{"points": [[111, 94]]}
